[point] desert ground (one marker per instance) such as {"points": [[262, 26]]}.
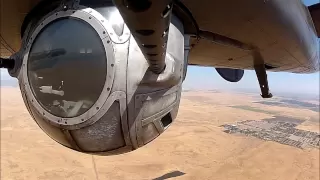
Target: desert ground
{"points": [[193, 147]]}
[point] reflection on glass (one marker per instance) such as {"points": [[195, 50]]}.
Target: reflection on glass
{"points": [[67, 67]]}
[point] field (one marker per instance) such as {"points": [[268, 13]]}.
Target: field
{"points": [[194, 147]]}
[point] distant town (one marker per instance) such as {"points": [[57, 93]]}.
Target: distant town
{"points": [[278, 129]]}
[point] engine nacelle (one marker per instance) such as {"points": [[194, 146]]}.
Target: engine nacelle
{"points": [[231, 75], [87, 85]]}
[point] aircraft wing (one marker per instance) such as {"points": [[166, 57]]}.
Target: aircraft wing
{"points": [[284, 34]]}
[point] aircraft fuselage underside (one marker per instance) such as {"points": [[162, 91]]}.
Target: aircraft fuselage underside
{"points": [[283, 32]]}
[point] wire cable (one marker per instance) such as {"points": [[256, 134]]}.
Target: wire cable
{"points": [[6, 45]]}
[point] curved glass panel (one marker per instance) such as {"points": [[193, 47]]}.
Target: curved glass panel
{"points": [[67, 67]]}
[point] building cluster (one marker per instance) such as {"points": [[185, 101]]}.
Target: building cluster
{"points": [[278, 131]]}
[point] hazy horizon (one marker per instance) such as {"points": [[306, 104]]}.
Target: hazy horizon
{"points": [[206, 78]]}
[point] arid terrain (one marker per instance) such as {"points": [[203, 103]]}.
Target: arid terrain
{"points": [[194, 146]]}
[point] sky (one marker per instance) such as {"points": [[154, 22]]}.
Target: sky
{"points": [[207, 78], [279, 82]]}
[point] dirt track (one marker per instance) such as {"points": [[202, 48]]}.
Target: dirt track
{"points": [[194, 147]]}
